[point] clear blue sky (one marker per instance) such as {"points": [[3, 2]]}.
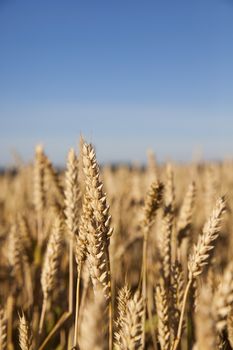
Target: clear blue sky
{"points": [[127, 74]]}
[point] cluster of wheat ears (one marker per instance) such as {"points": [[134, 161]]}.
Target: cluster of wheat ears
{"points": [[146, 266]]}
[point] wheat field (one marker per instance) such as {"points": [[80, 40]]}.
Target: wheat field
{"points": [[124, 257]]}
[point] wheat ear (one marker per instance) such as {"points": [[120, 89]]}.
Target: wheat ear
{"points": [[38, 190], [99, 230], [3, 330], [161, 301], [71, 213], [50, 266], [14, 253], [201, 255], [124, 296], [51, 181], [176, 295], [19, 262], [223, 298], [230, 327], [130, 321], [24, 231], [25, 336], [206, 242], [167, 224], [186, 211]]}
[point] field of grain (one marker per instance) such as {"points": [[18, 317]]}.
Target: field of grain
{"points": [[96, 258]]}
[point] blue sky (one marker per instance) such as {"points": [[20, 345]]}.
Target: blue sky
{"points": [[129, 75]]}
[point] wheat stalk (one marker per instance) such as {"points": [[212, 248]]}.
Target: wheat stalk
{"points": [[93, 330], [206, 336]]}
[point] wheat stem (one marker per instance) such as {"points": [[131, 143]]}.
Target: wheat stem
{"points": [[71, 275], [144, 282], [42, 315], [180, 326], [77, 306]]}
